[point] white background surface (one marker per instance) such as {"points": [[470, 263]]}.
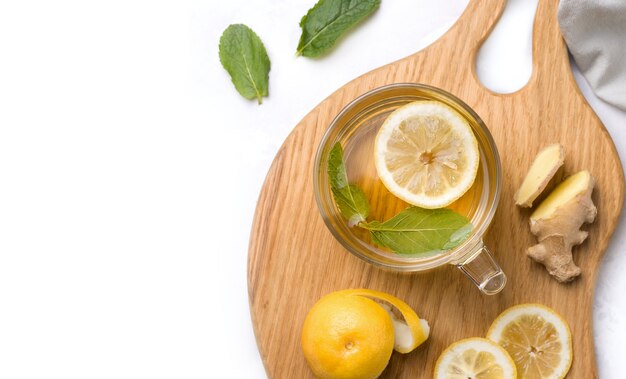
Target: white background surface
{"points": [[130, 169]]}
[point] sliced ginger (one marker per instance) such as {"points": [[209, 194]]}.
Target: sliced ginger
{"points": [[542, 170], [556, 224]]}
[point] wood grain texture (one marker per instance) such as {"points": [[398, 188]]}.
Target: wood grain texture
{"points": [[294, 260]]}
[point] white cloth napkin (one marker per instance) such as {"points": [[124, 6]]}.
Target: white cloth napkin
{"points": [[595, 33]]}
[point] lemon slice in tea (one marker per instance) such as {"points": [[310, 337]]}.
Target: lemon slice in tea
{"points": [[537, 338], [426, 154]]}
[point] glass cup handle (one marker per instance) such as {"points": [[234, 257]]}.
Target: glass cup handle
{"points": [[480, 267]]}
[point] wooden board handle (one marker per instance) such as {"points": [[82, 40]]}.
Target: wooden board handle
{"points": [[549, 50], [473, 28]]}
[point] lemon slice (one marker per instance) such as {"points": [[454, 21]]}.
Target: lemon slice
{"points": [[475, 358], [426, 154], [537, 338], [409, 330]]}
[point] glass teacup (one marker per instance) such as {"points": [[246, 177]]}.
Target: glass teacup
{"points": [[355, 128]]}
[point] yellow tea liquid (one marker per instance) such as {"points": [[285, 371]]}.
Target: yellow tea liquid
{"points": [[359, 160]]}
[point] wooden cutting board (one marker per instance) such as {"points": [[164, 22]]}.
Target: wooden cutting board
{"points": [[294, 260]]}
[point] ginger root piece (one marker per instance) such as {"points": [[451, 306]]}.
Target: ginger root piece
{"points": [[556, 224], [543, 168]]}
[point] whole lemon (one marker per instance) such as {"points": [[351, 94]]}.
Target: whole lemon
{"points": [[347, 337]]}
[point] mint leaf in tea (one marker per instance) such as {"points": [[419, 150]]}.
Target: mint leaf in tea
{"points": [[420, 231], [349, 198], [413, 231]]}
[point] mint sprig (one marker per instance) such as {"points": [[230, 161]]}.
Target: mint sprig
{"points": [[414, 231]]}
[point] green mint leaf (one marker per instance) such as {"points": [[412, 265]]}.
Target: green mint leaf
{"points": [[337, 168], [349, 198], [352, 203], [420, 231], [244, 57], [328, 20]]}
